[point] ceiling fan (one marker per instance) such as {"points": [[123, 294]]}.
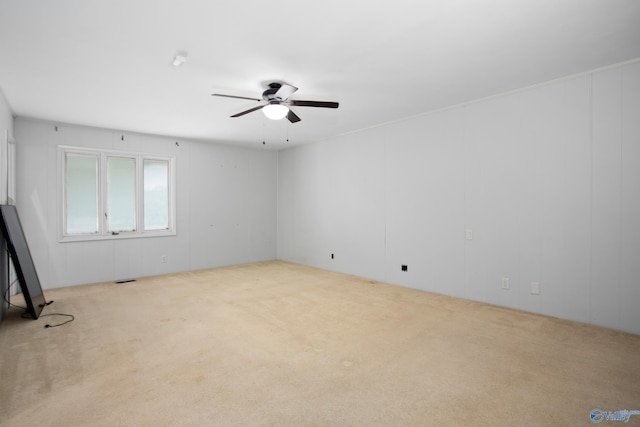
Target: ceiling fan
{"points": [[276, 105]]}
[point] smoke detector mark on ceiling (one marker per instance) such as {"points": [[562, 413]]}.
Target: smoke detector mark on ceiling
{"points": [[179, 59]]}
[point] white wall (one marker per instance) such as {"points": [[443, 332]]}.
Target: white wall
{"points": [[226, 207], [6, 125], [6, 132], [548, 179]]}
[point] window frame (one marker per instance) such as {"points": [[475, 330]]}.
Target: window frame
{"points": [[102, 188]]}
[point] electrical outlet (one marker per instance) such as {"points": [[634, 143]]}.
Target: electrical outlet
{"points": [[535, 288], [404, 268], [468, 234], [505, 283], [163, 259]]}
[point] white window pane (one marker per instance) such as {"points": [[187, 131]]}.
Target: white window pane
{"points": [[156, 194], [121, 194], [81, 177]]}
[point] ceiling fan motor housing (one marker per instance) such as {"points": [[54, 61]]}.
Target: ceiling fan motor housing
{"points": [[269, 94]]}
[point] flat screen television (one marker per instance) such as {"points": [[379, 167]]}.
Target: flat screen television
{"points": [[22, 261]]}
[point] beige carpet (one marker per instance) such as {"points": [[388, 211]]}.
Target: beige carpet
{"points": [[279, 344]]}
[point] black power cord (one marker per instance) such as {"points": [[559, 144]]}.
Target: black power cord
{"points": [[6, 294], [71, 319], [71, 316]]}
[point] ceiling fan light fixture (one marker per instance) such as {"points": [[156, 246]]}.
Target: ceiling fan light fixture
{"points": [[275, 111]]}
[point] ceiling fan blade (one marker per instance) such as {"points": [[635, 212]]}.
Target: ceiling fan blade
{"points": [[285, 91], [237, 97], [248, 111], [293, 117], [323, 104]]}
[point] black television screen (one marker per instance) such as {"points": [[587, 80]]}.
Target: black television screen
{"points": [[22, 261]]}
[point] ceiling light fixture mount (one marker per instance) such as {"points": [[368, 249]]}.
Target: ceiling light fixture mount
{"points": [[179, 59]]}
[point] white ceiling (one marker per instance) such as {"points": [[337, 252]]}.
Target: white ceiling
{"points": [[108, 63]]}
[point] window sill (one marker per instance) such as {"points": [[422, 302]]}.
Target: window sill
{"points": [[123, 235]]}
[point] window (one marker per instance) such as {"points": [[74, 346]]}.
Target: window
{"points": [[109, 195], [121, 194], [81, 177], [156, 194]]}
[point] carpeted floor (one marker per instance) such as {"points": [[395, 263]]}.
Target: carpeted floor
{"points": [[279, 344]]}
